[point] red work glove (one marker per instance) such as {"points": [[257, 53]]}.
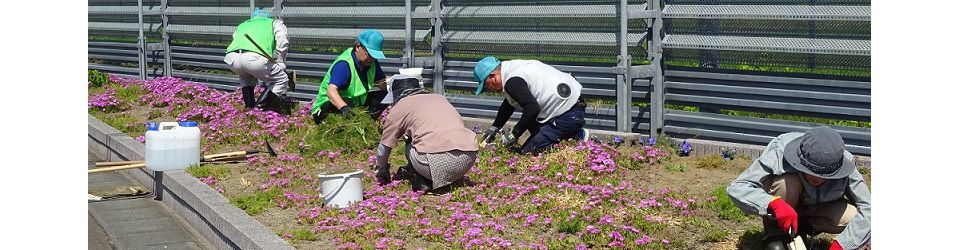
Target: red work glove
{"points": [[785, 215], [835, 245]]}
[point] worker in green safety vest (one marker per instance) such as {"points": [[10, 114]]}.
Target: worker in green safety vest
{"points": [[351, 79], [252, 65]]}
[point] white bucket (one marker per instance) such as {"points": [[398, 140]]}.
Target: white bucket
{"points": [[341, 190]]}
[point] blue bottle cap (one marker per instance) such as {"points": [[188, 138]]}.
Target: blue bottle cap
{"points": [[188, 124], [153, 126]]}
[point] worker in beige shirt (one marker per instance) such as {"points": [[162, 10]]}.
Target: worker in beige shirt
{"points": [[440, 149]]}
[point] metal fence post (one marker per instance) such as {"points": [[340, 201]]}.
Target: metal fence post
{"points": [[408, 45], [167, 65], [623, 79], [655, 53], [437, 47], [253, 5], [141, 43], [278, 8]]}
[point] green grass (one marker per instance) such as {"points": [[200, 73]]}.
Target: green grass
{"points": [[772, 68], [126, 124], [834, 122], [724, 206], [711, 161], [131, 93], [677, 167], [569, 226], [304, 234], [751, 238], [648, 226], [715, 234], [204, 170], [257, 202]]}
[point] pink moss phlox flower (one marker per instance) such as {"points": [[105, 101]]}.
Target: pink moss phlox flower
{"points": [[103, 101], [643, 240]]}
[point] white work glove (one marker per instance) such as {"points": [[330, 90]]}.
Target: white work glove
{"points": [[389, 80]]}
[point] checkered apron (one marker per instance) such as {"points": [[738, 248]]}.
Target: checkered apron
{"points": [[442, 168]]}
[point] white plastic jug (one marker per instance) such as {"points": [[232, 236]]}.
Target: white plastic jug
{"points": [[172, 145], [341, 190]]}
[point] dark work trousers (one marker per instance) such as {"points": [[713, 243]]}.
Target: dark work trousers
{"points": [[372, 105], [557, 129]]}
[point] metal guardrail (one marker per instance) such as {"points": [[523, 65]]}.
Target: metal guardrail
{"points": [[622, 83]]}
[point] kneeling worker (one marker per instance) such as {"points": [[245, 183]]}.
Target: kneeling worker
{"points": [[550, 101], [439, 148], [351, 77], [806, 183]]}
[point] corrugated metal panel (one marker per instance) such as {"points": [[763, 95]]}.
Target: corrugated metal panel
{"points": [[768, 12], [769, 44]]}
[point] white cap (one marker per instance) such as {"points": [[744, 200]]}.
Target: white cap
{"points": [[404, 74]]}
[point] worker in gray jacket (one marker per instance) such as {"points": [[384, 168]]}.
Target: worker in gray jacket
{"points": [[806, 183], [246, 60]]}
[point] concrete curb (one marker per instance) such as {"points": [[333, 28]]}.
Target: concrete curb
{"points": [[222, 224], [700, 147]]}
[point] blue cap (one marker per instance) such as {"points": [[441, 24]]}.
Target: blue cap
{"points": [[483, 69], [372, 40], [260, 12], [188, 124], [153, 126]]}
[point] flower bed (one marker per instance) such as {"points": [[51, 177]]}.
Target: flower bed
{"points": [[579, 195]]}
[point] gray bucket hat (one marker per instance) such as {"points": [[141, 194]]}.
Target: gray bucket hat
{"points": [[819, 152]]}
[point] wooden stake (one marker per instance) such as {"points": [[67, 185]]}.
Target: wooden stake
{"points": [[121, 167]]}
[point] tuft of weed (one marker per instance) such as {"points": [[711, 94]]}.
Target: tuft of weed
{"points": [[713, 161], [304, 234], [97, 79], [257, 202], [677, 167]]}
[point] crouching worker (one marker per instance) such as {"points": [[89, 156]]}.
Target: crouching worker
{"points": [[806, 183], [247, 60], [350, 81], [549, 99], [439, 148]]}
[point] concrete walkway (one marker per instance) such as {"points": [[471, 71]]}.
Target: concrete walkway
{"points": [[134, 223]]}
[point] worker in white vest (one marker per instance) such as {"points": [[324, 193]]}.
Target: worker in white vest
{"points": [[549, 99]]}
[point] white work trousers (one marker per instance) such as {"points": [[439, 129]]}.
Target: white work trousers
{"points": [[251, 67]]}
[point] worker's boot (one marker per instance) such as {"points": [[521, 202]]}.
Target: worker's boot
{"points": [[273, 102], [774, 238], [291, 79], [421, 183], [249, 101]]}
